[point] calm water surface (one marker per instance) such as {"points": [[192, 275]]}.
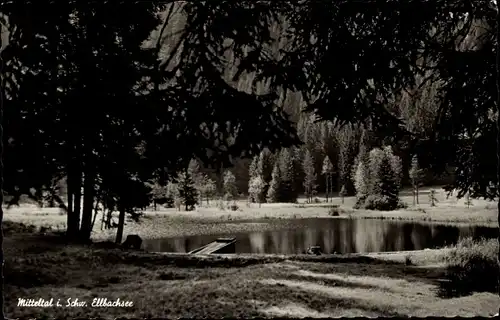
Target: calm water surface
{"points": [[333, 235]]}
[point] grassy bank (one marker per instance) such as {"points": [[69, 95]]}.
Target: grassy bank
{"points": [[446, 210], [469, 263], [178, 285]]}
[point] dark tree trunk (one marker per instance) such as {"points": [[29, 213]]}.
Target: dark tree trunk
{"points": [[109, 217], [121, 224], [2, 314], [71, 228], [498, 135], [221, 181], [96, 211], [103, 215], [77, 192], [416, 190], [88, 202], [327, 185], [74, 195], [331, 187]]}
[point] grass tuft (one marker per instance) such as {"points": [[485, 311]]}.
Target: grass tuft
{"points": [[408, 260], [472, 266]]}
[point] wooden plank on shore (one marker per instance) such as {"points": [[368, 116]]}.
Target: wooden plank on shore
{"points": [[221, 245]]}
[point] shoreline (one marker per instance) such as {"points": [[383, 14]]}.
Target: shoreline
{"points": [[157, 225], [209, 220], [168, 227], [426, 257]]}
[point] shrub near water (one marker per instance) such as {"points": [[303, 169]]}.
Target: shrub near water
{"points": [[472, 265], [334, 211]]}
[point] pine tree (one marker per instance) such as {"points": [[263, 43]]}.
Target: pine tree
{"points": [[396, 164], [388, 181], [287, 169], [274, 193], [172, 192], [229, 184], [254, 167], [187, 191], [385, 193], [159, 194], [361, 184], [376, 156], [264, 170], [197, 176], [327, 137], [363, 149], [255, 189], [310, 176], [298, 173], [364, 157], [209, 188], [416, 176], [253, 173], [327, 170], [307, 130], [346, 138]]}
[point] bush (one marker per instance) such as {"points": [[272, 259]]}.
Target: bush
{"points": [[334, 211], [360, 203], [376, 202], [10, 228], [169, 202], [220, 204], [234, 207], [403, 205], [472, 266], [381, 203]]}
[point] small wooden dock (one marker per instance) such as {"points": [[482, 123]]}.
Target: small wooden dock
{"points": [[221, 245]]}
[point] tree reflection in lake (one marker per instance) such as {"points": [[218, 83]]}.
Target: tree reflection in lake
{"points": [[333, 235]]}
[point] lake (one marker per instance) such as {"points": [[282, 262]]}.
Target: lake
{"points": [[333, 235]]}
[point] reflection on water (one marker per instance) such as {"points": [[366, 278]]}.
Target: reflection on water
{"points": [[334, 235]]}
